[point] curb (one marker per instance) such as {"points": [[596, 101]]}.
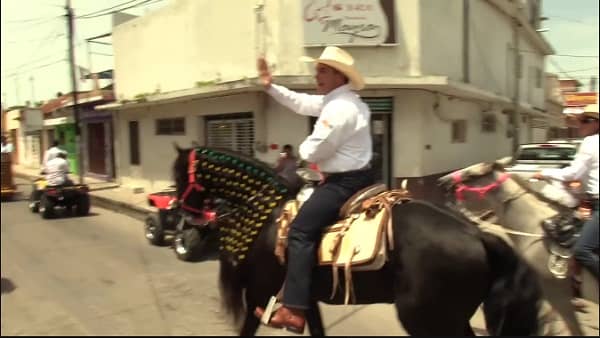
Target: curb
{"points": [[130, 210]]}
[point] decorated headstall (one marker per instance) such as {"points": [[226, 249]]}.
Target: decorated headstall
{"points": [[481, 191], [252, 189], [193, 185]]}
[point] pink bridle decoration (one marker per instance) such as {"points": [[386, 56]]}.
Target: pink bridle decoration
{"points": [[481, 191]]}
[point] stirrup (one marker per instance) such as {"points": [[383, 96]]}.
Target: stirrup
{"points": [[266, 317]]}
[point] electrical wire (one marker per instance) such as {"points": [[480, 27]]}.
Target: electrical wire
{"points": [[104, 10], [143, 3]]}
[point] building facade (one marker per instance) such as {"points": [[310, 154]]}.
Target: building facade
{"points": [[96, 132], [447, 81], [23, 128]]}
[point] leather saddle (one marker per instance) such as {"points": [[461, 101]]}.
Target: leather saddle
{"points": [[358, 240]]}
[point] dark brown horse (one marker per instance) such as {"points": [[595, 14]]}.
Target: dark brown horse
{"points": [[440, 270]]}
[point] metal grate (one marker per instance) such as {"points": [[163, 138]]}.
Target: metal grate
{"points": [[234, 134]]}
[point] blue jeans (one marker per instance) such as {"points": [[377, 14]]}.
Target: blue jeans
{"points": [[318, 212], [588, 243]]}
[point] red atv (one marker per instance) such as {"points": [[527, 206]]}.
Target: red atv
{"points": [[191, 233]]}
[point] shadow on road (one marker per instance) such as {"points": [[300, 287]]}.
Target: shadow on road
{"points": [[7, 286]]}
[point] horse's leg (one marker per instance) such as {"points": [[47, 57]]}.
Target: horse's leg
{"points": [[468, 330], [314, 320], [250, 325]]}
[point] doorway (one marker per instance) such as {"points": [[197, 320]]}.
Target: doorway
{"points": [[96, 148]]}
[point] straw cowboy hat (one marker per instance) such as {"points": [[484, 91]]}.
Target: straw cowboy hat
{"points": [[591, 110], [342, 61]]}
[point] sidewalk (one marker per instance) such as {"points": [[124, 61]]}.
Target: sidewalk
{"points": [[109, 195]]}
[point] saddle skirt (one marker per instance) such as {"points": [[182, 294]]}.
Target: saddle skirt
{"points": [[358, 242]]}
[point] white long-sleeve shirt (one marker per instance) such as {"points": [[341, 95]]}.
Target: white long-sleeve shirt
{"points": [[51, 154], [57, 170], [341, 139], [584, 166]]}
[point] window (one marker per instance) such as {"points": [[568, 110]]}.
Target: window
{"points": [[538, 78], [459, 131], [173, 126], [134, 143], [235, 132], [488, 123]]}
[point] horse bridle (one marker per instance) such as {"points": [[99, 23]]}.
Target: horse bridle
{"points": [[558, 258], [193, 185], [482, 191]]}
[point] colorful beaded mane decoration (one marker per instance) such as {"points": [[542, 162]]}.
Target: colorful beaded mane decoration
{"points": [[252, 188]]}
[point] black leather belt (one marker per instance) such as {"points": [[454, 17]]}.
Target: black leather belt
{"points": [[348, 173]]}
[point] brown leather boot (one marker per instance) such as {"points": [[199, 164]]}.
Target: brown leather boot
{"points": [[291, 319]]}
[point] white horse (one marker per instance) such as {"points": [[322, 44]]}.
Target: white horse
{"points": [[520, 211]]}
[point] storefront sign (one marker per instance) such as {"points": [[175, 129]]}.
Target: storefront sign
{"points": [[349, 22], [580, 99], [58, 121]]}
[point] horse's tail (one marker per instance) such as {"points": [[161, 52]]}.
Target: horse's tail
{"points": [[512, 304], [231, 288]]}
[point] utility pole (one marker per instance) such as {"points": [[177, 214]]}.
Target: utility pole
{"points": [[70, 29], [516, 117], [31, 79]]}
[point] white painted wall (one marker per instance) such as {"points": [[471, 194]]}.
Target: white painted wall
{"points": [[182, 43], [157, 152]]}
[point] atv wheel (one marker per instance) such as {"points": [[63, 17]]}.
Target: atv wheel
{"points": [[83, 205], [34, 206], [189, 243], [154, 230], [46, 207]]}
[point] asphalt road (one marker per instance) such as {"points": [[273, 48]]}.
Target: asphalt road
{"points": [[97, 275]]}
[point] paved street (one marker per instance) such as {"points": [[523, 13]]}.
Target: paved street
{"points": [[98, 276]]}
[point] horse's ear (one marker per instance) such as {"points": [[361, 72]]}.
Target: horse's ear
{"points": [[176, 146], [503, 163]]}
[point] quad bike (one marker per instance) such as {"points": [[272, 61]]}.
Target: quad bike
{"points": [[47, 199], [191, 232]]}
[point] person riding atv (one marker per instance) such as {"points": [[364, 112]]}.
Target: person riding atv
{"points": [[56, 189]]}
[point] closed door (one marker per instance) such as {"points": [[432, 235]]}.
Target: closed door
{"points": [[96, 148], [15, 143]]}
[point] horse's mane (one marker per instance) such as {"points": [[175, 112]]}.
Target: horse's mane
{"points": [[251, 187]]}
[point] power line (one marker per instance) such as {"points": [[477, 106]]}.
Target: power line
{"points": [[34, 68], [105, 9], [145, 2], [32, 25], [31, 20], [32, 40]]}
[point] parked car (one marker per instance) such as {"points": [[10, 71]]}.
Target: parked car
{"points": [[533, 157]]}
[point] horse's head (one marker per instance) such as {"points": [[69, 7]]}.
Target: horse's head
{"points": [[180, 169], [478, 175], [250, 188]]}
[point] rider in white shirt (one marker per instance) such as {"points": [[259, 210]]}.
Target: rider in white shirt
{"points": [[52, 152], [585, 168], [57, 170], [341, 146]]}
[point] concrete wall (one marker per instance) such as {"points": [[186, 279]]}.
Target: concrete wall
{"points": [[157, 152], [185, 42]]}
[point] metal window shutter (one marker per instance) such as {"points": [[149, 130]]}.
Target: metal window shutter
{"points": [[379, 104], [234, 134]]}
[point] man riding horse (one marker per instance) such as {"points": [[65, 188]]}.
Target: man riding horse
{"points": [[341, 146]]}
